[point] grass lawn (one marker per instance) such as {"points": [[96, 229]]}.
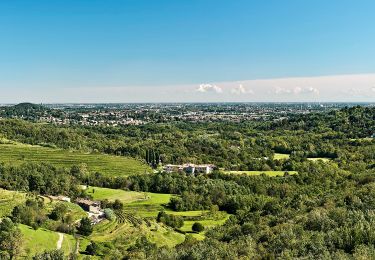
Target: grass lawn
{"points": [[207, 223], [193, 213], [255, 173], [113, 194], [149, 207], [8, 200], [37, 241], [106, 164], [144, 204], [281, 156], [319, 159]]}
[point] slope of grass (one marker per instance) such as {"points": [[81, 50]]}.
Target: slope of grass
{"points": [[319, 159], [281, 156], [144, 204], [207, 223], [106, 164], [37, 241], [8, 200], [113, 194], [268, 173]]}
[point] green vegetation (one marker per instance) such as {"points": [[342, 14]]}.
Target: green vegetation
{"points": [[8, 200], [106, 164], [281, 156], [150, 206], [319, 159], [268, 173], [98, 193], [37, 241], [326, 211]]}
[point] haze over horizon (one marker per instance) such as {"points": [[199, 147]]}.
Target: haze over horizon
{"points": [[187, 51]]}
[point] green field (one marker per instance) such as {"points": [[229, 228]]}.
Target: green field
{"points": [[268, 173], [148, 205], [145, 204], [281, 156], [319, 159], [207, 223], [75, 211], [8, 200], [113, 194], [123, 229], [37, 241], [106, 164]]}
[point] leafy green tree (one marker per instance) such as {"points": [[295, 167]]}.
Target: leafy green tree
{"points": [[197, 227], [85, 228]]}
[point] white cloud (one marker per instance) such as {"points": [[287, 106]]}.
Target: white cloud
{"points": [[296, 90], [373, 89], [240, 89], [280, 90], [209, 88]]}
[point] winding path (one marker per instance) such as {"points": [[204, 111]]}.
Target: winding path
{"points": [[60, 241]]}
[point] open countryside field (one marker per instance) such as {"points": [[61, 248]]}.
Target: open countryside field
{"points": [[268, 173], [144, 204], [281, 156], [207, 223], [110, 230], [148, 205], [113, 194], [37, 241], [151, 206], [8, 200], [319, 159], [106, 164]]}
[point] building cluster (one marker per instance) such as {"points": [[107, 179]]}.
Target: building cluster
{"points": [[190, 168], [93, 208]]}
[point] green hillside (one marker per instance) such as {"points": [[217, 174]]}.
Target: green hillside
{"points": [[107, 164]]}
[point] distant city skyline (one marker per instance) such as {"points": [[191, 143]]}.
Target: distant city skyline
{"points": [[187, 51]]}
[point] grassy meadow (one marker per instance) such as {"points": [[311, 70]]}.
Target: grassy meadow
{"points": [[40, 240], [281, 156], [319, 159], [148, 205], [8, 200], [13, 152]]}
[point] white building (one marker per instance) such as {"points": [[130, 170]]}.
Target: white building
{"points": [[189, 168]]}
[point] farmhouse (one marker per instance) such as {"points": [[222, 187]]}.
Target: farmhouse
{"points": [[89, 205], [190, 168]]}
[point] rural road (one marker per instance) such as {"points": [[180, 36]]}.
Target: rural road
{"points": [[60, 241]]}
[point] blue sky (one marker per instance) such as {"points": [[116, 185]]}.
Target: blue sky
{"points": [[134, 50]]}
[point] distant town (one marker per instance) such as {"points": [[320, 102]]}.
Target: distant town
{"points": [[138, 114]]}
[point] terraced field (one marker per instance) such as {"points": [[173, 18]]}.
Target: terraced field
{"points": [[129, 227], [107, 164], [141, 210], [255, 173]]}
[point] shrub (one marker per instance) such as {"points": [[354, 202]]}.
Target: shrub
{"points": [[197, 227]]}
